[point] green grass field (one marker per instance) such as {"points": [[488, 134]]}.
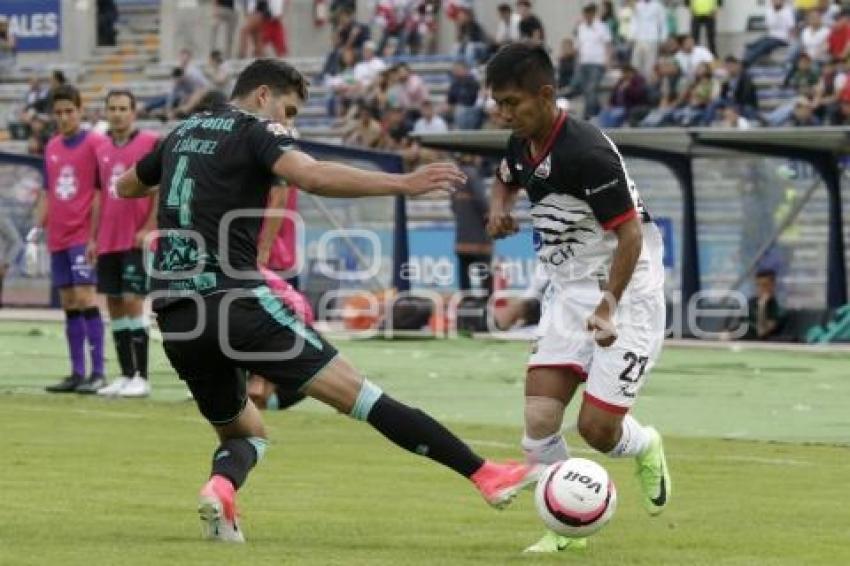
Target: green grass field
{"points": [[757, 443]]}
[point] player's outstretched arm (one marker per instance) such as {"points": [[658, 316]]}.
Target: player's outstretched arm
{"points": [[329, 179]]}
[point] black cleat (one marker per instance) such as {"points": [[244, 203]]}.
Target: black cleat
{"points": [[91, 385], [67, 385]]}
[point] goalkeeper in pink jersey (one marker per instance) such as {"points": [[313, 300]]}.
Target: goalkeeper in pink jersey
{"points": [[66, 210], [121, 229]]}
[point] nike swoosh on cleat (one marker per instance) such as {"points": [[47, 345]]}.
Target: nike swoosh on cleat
{"points": [[662, 496]]}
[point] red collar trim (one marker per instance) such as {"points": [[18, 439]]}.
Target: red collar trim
{"points": [[536, 160]]}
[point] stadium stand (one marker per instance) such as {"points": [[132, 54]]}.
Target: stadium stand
{"points": [[134, 63]]}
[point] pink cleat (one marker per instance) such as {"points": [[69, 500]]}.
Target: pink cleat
{"points": [[217, 508], [499, 483]]}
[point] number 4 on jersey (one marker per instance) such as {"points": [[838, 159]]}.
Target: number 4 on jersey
{"points": [[180, 192]]}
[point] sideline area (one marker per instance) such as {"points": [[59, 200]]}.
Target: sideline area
{"points": [[797, 396]]}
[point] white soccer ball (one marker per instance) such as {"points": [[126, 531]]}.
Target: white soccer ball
{"points": [[576, 497]]}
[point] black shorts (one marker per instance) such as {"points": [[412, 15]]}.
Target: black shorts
{"points": [[120, 273], [245, 332]]}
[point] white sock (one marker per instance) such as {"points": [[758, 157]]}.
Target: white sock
{"points": [[633, 440], [546, 450]]}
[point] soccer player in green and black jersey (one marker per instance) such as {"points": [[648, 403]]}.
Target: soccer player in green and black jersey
{"points": [[218, 318]]}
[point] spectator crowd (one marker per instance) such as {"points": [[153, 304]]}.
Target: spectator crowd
{"points": [[624, 63]]}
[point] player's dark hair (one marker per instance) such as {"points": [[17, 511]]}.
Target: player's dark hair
{"points": [[279, 76], [768, 273], [121, 92], [524, 65], [212, 101], [66, 92]]}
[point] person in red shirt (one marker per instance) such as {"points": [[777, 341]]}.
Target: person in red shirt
{"points": [[839, 37]]}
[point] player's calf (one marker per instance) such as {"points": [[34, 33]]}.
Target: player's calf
{"points": [[340, 386], [232, 461], [622, 436], [601, 434]]}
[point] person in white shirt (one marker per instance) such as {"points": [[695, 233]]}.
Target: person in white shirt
{"points": [[650, 29], [690, 56], [831, 12], [594, 50], [815, 37], [368, 69], [507, 29], [430, 122], [626, 21], [780, 22]]}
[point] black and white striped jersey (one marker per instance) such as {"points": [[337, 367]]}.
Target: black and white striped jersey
{"points": [[580, 191]]}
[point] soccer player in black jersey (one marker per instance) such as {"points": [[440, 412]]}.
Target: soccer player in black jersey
{"points": [[602, 318], [219, 320]]}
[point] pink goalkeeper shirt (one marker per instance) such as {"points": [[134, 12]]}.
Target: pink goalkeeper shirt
{"points": [[71, 171], [121, 218]]}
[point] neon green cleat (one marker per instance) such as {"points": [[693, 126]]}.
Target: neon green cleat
{"points": [[653, 475], [553, 542]]}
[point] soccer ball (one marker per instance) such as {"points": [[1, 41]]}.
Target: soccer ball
{"points": [[575, 498]]}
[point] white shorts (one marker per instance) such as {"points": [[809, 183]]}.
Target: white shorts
{"points": [[615, 374]]}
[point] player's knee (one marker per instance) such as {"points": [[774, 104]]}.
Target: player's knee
{"points": [[257, 392], [258, 398], [599, 434], [543, 416]]}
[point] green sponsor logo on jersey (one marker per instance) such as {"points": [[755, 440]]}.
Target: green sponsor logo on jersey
{"points": [[206, 123]]}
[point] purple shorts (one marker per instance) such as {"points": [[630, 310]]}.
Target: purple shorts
{"points": [[69, 268]]}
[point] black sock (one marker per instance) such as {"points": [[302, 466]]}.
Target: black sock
{"points": [[233, 459], [415, 431], [124, 351], [139, 342]]}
